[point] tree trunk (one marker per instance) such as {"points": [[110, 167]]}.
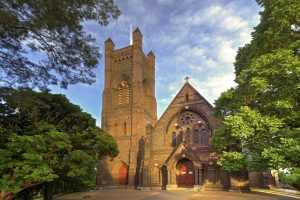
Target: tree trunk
{"points": [[6, 195], [47, 191]]}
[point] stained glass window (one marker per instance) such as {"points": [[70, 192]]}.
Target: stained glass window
{"points": [[180, 138], [196, 136], [203, 136], [173, 139]]}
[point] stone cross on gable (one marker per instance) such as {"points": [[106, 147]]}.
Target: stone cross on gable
{"points": [[186, 79]]}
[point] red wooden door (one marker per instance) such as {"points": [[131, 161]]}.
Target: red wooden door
{"points": [[123, 176], [186, 176]]}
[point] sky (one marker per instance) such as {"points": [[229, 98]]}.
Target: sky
{"points": [[198, 38]]}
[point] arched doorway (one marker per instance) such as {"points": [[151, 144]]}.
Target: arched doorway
{"points": [[123, 175], [186, 175]]}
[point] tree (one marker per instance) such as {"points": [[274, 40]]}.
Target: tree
{"points": [[53, 32], [267, 130], [232, 161], [292, 178], [258, 137], [44, 137]]}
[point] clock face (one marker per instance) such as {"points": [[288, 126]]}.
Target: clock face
{"points": [[187, 118]]}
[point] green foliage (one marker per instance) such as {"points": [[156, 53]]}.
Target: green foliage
{"points": [[292, 178], [285, 153], [271, 85], [33, 158], [262, 113], [53, 32], [278, 29], [247, 130], [222, 140], [232, 161], [44, 138]]}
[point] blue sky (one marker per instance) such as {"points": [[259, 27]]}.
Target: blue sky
{"points": [[189, 37]]}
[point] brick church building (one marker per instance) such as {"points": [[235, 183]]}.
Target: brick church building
{"points": [[170, 152]]}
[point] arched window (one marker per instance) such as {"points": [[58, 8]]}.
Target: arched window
{"points": [[203, 136], [196, 136], [124, 93], [125, 128], [180, 138], [173, 139], [116, 130], [187, 136]]}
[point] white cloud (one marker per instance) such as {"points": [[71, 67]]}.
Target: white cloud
{"points": [[226, 53], [233, 22], [245, 37], [213, 16], [213, 86], [187, 50], [209, 62]]}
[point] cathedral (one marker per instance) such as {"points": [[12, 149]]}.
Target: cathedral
{"points": [[171, 152]]}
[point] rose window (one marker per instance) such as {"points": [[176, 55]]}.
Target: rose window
{"points": [[187, 118]]}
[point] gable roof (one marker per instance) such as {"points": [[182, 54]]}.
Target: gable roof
{"points": [[182, 151], [186, 86]]}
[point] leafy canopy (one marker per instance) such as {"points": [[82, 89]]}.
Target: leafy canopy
{"points": [[262, 113], [44, 137], [232, 161], [43, 42]]}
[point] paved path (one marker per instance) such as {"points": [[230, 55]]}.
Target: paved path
{"points": [[131, 194]]}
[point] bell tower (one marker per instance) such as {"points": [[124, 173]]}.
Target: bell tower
{"points": [[128, 101]]}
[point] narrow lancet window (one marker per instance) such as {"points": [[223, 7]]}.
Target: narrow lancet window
{"points": [[125, 128], [124, 93], [203, 137], [180, 138], [196, 136], [173, 139]]}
